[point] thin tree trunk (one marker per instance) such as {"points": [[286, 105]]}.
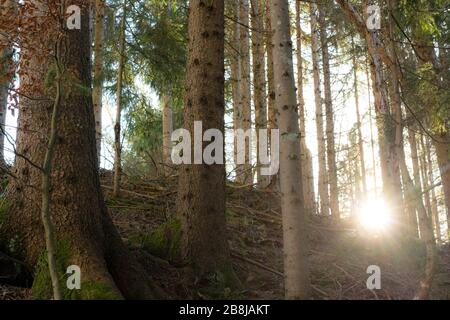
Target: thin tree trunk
{"points": [[372, 138], [443, 157], [331, 151], [273, 114], [236, 71], [204, 243], [417, 181], [97, 90], [259, 76], [297, 282], [323, 181], [306, 159], [358, 122], [434, 204], [167, 131], [7, 11], [246, 176], [117, 126]]}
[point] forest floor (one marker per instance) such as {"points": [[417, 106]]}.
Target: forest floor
{"points": [[339, 254]]}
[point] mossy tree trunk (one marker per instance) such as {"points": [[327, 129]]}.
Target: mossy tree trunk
{"points": [[84, 232]]}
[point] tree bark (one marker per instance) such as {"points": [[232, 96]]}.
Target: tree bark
{"points": [[117, 125], [236, 70], [323, 181], [434, 205], [167, 131], [259, 75], [443, 157], [201, 196], [97, 89], [330, 146], [306, 159], [297, 283], [273, 113], [246, 175], [417, 182], [6, 73], [358, 122], [85, 234]]}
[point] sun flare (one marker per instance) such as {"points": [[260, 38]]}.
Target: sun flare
{"points": [[374, 216]]}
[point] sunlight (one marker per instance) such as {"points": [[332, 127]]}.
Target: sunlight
{"points": [[374, 216]]}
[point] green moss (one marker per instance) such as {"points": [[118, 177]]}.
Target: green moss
{"points": [[42, 284], [164, 242], [94, 291]]}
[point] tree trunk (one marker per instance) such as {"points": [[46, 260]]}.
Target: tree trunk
{"points": [[97, 89], [434, 205], [417, 182], [372, 135], [119, 88], [443, 156], [236, 71], [259, 75], [246, 176], [323, 181], [85, 234], [167, 131], [297, 283], [390, 169], [331, 152], [6, 72], [273, 114], [202, 212], [306, 159], [358, 122]]}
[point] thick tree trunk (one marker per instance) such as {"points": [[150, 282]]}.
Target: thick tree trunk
{"points": [[85, 234], [118, 120], [246, 176], [97, 90], [259, 76], [167, 131], [331, 151], [323, 181], [297, 283], [202, 212], [306, 159]]}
